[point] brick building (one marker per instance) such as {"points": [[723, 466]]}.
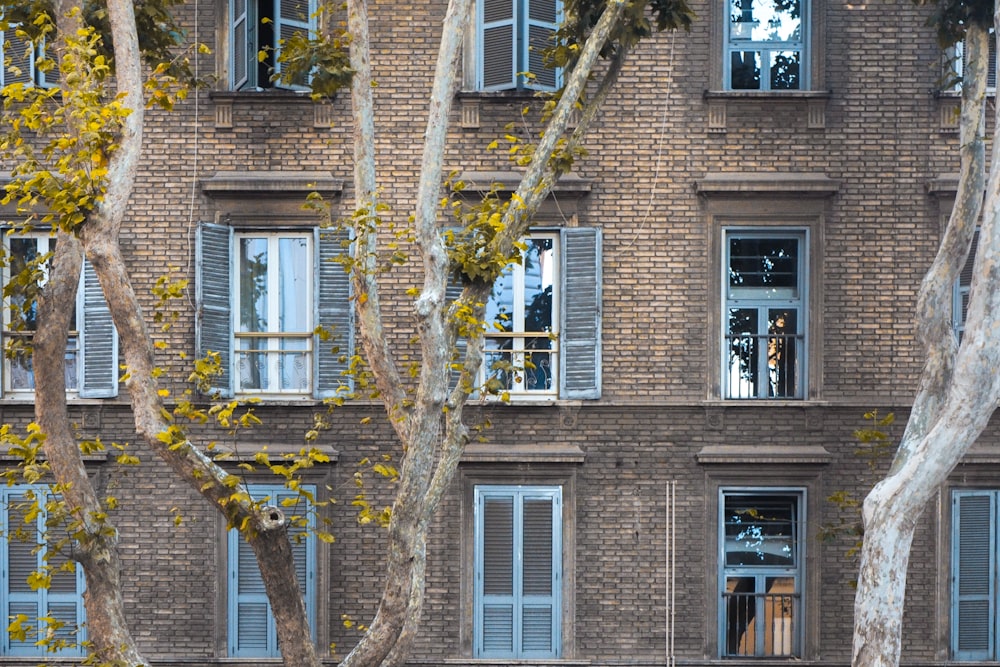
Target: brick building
{"points": [[741, 250]]}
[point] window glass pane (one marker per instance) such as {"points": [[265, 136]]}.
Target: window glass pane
{"points": [[741, 608], [295, 268], [500, 305], [539, 273], [294, 364], [745, 70], [767, 266], [782, 345], [743, 344], [251, 359], [760, 530], [253, 284], [765, 20], [785, 70]]}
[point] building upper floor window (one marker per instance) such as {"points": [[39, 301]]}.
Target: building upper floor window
{"points": [[518, 568], [19, 60], [766, 45], [91, 360], [250, 623], [764, 316], [543, 319], [510, 38], [760, 577], [54, 616], [960, 299], [257, 30], [261, 296], [955, 66]]}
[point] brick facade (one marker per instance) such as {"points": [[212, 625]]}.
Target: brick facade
{"points": [[671, 161]]}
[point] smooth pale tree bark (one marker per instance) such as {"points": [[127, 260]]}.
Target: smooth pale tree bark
{"points": [[264, 528], [959, 387]]}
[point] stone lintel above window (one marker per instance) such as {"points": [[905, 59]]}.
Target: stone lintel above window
{"points": [[563, 199], [767, 183], [267, 197], [500, 453], [764, 454]]}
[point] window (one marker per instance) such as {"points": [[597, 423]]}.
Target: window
{"points": [[955, 66], [92, 348], [960, 299], [261, 296], [257, 30], [251, 627], [23, 552], [511, 37], [760, 578], [543, 319], [518, 566], [765, 45], [19, 58], [764, 315], [975, 545]]}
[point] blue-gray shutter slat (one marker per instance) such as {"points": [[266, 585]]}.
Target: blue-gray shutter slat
{"points": [[497, 21], [213, 296], [974, 573], [98, 341], [539, 29], [452, 292], [580, 346], [334, 312], [293, 16]]}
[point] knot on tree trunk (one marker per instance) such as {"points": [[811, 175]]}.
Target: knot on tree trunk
{"points": [[271, 518]]}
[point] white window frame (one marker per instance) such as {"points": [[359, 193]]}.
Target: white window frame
{"points": [[790, 641], [274, 336], [731, 389], [518, 601], [43, 597], [519, 352], [247, 48], [734, 43], [272, 494]]}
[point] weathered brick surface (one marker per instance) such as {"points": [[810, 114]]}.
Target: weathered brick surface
{"points": [[882, 142]]}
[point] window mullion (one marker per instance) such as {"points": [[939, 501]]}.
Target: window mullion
{"points": [[272, 356]]}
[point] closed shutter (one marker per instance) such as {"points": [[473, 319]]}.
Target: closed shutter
{"points": [[333, 312], [252, 631], [962, 286], [242, 47], [18, 59], [292, 16], [974, 517], [213, 296], [518, 557], [21, 562], [580, 344], [497, 33], [540, 28], [98, 340], [452, 292]]}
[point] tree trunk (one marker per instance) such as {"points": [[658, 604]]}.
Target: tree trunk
{"points": [[957, 394]]}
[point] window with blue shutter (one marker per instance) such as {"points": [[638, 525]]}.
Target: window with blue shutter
{"points": [[518, 572], [23, 552], [260, 298], [511, 37], [974, 575], [960, 300], [91, 361], [19, 58], [251, 629], [257, 30], [543, 319]]}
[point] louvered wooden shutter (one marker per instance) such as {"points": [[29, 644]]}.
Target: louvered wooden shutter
{"points": [[18, 59], [213, 294], [333, 311], [539, 30], [580, 344], [21, 562], [974, 601], [497, 28], [292, 16], [242, 49], [991, 70], [252, 631], [961, 305], [452, 292], [518, 563], [98, 340]]}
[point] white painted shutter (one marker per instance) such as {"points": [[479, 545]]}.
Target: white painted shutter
{"points": [[98, 340], [242, 48], [580, 345], [213, 296]]}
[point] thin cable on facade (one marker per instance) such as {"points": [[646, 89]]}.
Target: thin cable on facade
{"points": [[194, 166]]}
